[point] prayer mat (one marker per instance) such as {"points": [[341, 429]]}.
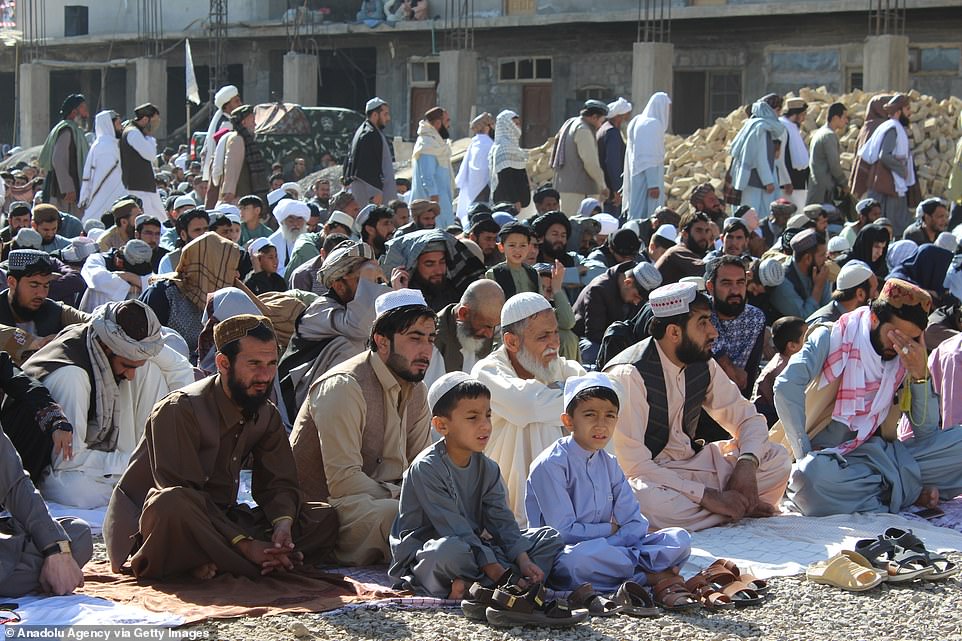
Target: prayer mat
{"points": [[375, 577], [308, 590], [78, 609], [94, 518], [785, 545]]}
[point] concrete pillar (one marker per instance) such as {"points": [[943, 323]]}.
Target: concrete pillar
{"points": [[257, 83], [652, 69], [150, 85], [300, 79], [885, 63], [458, 89], [34, 93]]}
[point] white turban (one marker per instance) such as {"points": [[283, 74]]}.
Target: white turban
{"points": [[287, 208], [619, 108]]}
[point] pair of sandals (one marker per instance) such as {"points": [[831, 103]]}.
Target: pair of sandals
{"points": [[508, 606], [630, 599], [718, 587], [901, 557]]}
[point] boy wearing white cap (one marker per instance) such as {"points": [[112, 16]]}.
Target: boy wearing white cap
{"points": [[264, 277], [576, 487], [369, 416], [526, 378], [454, 526], [668, 379]]}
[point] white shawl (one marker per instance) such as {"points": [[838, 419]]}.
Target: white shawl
{"points": [[506, 153], [646, 137], [872, 151], [796, 145], [473, 174]]}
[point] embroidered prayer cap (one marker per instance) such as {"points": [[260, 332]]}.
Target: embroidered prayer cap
{"points": [[184, 201], [897, 292], [137, 252], [258, 244], [340, 218], [814, 211], [374, 104], [803, 241], [947, 240], [619, 107], [237, 327], [146, 110], [668, 232], [609, 224], [797, 221], [522, 306], [577, 384], [29, 262], [292, 207], [838, 245], [898, 101], [698, 193], [624, 242], [445, 384], [863, 206], [771, 272], [224, 95], [589, 206], [362, 216], [422, 205], [240, 113], [28, 238], [80, 248], [343, 260], [646, 275], [543, 223], [783, 206], [672, 300], [275, 196], [71, 102], [545, 191], [697, 281], [481, 121], [398, 298], [795, 103], [852, 274]]}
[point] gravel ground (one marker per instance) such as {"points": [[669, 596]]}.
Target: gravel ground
{"points": [[795, 611]]}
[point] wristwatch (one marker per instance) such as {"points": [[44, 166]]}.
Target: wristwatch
{"points": [[59, 547]]}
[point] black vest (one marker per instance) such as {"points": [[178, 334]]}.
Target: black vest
{"points": [[138, 174], [502, 276], [48, 320]]}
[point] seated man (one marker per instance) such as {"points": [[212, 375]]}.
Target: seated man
{"points": [[39, 553], [28, 318], [740, 326], [687, 258], [667, 379], [106, 374], [362, 424], [454, 526], [337, 325], [116, 275], [466, 329], [855, 286], [175, 510], [292, 216], [526, 377], [835, 402], [616, 295], [577, 488], [806, 286]]}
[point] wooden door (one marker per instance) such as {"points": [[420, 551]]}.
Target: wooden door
{"points": [[689, 102], [535, 115], [422, 99]]}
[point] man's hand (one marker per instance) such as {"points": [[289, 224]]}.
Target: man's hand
{"points": [[255, 263], [60, 574], [738, 375], [744, 480], [70, 197], [654, 192], [531, 572], [557, 276], [769, 188], [819, 278], [372, 271], [911, 353], [378, 199], [788, 189], [267, 557], [62, 444], [131, 279], [400, 278], [728, 503]]}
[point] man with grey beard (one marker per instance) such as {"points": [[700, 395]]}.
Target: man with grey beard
{"points": [[466, 328], [526, 377]]}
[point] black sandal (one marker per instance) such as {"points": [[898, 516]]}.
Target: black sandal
{"points": [[635, 600], [942, 568], [899, 564], [481, 598], [585, 596], [514, 607]]}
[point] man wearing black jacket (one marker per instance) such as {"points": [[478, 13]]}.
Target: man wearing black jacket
{"points": [[369, 170]]}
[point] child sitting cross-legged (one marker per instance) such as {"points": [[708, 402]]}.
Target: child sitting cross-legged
{"points": [[454, 527], [577, 487]]}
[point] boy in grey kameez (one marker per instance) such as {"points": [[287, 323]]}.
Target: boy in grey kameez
{"points": [[835, 402], [454, 526]]}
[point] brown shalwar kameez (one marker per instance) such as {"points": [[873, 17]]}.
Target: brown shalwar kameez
{"points": [[176, 509]]}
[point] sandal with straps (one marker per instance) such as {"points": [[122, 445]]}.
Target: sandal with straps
{"points": [[708, 595], [481, 598], [635, 600], [671, 594], [759, 585], [742, 594], [585, 596], [517, 607], [899, 564], [942, 568]]}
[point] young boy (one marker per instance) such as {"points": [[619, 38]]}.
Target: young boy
{"points": [[788, 334], [454, 526], [514, 276], [251, 210], [264, 277], [576, 487]]}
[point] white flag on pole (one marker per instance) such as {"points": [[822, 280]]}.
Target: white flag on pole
{"points": [[193, 93]]}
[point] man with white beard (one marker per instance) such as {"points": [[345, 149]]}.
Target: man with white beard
{"points": [[292, 217], [466, 328], [526, 377]]}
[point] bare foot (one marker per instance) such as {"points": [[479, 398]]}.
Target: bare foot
{"points": [[928, 498], [762, 510], [458, 589], [205, 572]]}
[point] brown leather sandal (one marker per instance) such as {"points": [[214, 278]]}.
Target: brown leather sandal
{"points": [[671, 594], [759, 585], [708, 595], [585, 596]]}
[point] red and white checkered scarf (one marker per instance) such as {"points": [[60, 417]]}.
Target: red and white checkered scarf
{"points": [[868, 383]]}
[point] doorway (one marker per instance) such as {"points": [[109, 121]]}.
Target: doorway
{"points": [[535, 115]]}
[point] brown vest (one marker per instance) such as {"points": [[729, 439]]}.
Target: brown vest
{"points": [[306, 442]]}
